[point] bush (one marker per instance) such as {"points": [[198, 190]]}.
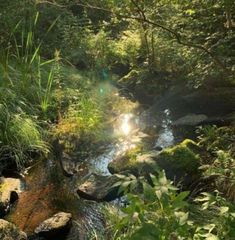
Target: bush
{"points": [[159, 212]]}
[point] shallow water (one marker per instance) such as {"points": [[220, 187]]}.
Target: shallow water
{"points": [[49, 191]]}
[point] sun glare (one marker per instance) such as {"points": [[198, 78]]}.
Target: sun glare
{"points": [[125, 126]]}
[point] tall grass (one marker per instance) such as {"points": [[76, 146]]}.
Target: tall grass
{"points": [[26, 87]]}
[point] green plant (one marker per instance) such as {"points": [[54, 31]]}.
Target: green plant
{"points": [[223, 168], [26, 92], [214, 138], [160, 212], [20, 138]]}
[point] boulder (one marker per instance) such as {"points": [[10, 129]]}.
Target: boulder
{"points": [[9, 231], [217, 104], [9, 190], [213, 102], [190, 120], [99, 188], [136, 164], [180, 162], [56, 227]]}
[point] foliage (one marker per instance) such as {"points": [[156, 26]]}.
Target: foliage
{"points": [[223, 167], [160, 43], [82, 118], [20, 137], [26, 96], [182, 156], [159, 212], [214, 138]]}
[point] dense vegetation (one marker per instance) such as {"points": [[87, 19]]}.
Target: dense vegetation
{"points": [[55, 60]]}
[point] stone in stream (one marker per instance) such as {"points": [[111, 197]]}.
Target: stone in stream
{"points": [[99, 188], [180, 162], [9, 231], [56, 227], [190, 120], [202, 119], [68, 165], [135, 164], [9, 189]]}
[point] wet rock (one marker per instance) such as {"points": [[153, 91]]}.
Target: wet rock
{"points": [[99, 188], [190, 120], [180, 162], [9, 231], [201, 119], [136, 164], [56, 227], [220, 120], [68, 165], [9, 190], [215, 102]]}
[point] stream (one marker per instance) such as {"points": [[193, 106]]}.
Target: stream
{"points": [[47, 190]]}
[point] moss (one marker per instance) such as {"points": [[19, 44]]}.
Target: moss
{"points": [[180, 162], [2, 187], [131, 76], [127, 161], [183, 156]]}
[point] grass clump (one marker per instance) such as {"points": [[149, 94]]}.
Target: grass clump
{"points": [[20, 138], [27, 83]]}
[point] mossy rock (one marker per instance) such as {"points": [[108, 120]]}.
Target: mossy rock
{"points": [[9, 189], [134, 161], [180, 162], [9, 231]]}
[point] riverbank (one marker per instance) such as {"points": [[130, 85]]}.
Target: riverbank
{"points": [[138, 136]]}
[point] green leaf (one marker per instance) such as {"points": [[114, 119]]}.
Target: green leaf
{"points": [[182, 216], [179, 202], [212, 237], [190, 11], [148, 231], [223, 210]]}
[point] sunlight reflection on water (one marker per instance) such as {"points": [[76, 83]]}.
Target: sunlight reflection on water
{"points": [[126, 129], [165, 136], [125, 124]]}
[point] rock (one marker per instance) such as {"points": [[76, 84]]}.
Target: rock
{"points": [[180, 162], [136, 164], [56, 227], [99, 188], [68, 165], [215, 102], [9, 190], [9, 231], [190, 120]]}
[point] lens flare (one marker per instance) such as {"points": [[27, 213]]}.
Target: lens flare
{"points": [[125, 126]]}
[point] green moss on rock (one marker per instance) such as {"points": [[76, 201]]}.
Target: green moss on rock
{"points": [[180, 162], [182, 157], [126, 162]]}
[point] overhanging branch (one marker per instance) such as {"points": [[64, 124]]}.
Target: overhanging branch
{"points": [[143, 19]]}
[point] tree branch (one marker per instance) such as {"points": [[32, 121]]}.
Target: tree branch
{"points": [[143, 19]]}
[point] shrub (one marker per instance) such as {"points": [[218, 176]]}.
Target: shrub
{"points": [[159, 212]]}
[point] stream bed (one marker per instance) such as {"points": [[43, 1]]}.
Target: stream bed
{"points": [[48, 191]]}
